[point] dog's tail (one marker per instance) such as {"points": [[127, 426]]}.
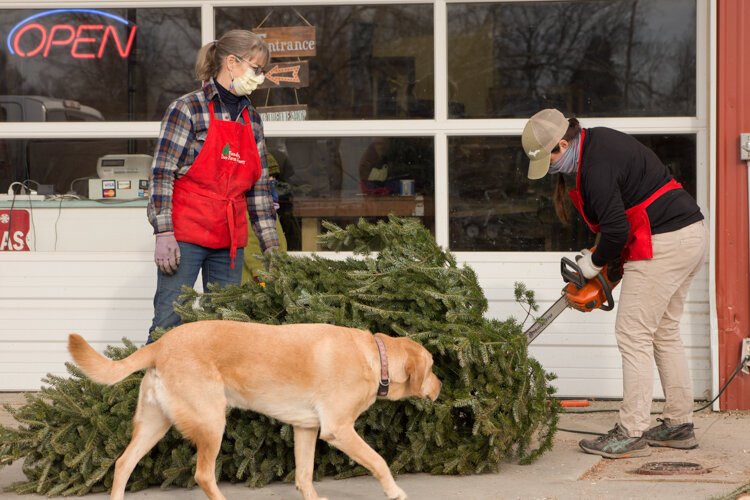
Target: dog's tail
{"points": [[104, 370]]}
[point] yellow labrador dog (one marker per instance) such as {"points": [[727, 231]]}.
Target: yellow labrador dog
{"points": [[315, 377]]}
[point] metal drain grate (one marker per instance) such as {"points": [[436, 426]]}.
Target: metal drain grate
{"points": [[669, 468]]}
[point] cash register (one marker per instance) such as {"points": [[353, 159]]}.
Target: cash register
{"points": [[121, 177]]}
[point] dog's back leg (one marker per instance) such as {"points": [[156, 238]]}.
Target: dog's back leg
{"points": [[346, 439], [304, 461], [149, 426], [202, 420]]}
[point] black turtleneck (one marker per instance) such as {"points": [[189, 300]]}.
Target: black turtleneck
{"points": [[232, 103]]}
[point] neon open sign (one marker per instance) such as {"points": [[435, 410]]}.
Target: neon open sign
{"points": [[87, 40]]}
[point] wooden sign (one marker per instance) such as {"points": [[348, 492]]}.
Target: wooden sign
{"points": [[286, 74], [291, 41], [291, 113]]}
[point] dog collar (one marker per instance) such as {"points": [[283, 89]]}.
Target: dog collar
{"points": [[384, 379]]}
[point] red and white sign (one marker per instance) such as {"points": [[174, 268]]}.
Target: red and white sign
{"points": [[14, 231]]}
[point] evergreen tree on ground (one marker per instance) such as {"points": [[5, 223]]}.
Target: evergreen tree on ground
{"points": [[495, 402]]}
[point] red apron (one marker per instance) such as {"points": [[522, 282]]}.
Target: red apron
{"points": [[208, 203], [638, 245]]}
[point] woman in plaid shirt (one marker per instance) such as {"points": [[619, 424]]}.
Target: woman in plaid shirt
{"points": [[209, 167]]}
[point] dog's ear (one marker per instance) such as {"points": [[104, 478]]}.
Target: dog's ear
{"points": [[409, 364], [415, 367]]}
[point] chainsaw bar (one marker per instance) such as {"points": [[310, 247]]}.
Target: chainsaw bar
{"points": [[543, 321]]}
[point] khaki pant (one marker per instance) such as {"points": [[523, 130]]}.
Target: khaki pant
{"points": [[652, 297]]}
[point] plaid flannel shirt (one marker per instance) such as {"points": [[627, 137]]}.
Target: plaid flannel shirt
{"points": [[183, 131]]}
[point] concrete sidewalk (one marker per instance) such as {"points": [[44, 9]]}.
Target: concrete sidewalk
{"points": [[563, 473]]}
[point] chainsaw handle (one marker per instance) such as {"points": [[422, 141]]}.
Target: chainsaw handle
{"points": [[571, 273], [610, 304]]}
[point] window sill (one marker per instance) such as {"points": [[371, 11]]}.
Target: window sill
{"points": [[57, 203]]}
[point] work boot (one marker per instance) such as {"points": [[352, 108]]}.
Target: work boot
{"points": [[679, 436], [616, 444]]}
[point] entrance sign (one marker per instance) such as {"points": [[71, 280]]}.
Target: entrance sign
{"points": [[286, 74], [291, 41], [14, 231], [291, 113], [85, 40]]}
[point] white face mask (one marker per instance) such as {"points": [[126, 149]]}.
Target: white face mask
{"points": [[245, 84]]}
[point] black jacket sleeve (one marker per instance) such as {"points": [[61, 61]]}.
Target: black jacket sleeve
{"points": [[603, 203]]}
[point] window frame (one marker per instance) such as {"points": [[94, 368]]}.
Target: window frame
{"points": [[440, 128]]}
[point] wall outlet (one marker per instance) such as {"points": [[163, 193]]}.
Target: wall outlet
{"points": [[744, 353]]}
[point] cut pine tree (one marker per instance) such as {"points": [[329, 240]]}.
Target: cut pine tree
{"points": [[496, 402]]}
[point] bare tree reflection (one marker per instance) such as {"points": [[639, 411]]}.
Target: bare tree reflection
{"points": [[352, 42], [595, 58]]}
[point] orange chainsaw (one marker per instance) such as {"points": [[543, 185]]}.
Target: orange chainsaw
{"points": [[579, 293]]}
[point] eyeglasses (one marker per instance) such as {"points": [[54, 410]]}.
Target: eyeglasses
{"points": [[257, 69]]}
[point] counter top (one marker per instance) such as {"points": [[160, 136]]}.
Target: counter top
{"points": [[57, 203]]}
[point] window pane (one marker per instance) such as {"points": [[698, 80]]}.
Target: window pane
{"points": [[72, 64], [65, 163], [370, 62], [591, 58], [503, 210], [345, 178]]}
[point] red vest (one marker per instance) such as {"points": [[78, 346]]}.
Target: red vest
{"points": [[208, 203], [638, 245]]}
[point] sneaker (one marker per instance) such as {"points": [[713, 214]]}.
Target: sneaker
{"points": [[616, 444], [679, 436]]}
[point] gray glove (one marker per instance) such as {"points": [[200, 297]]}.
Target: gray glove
{"points": [[167, 253], [269, 252]]}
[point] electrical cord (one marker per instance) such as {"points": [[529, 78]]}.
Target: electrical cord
{"points": [[29, 192], [742, 363], [72, 183], [10, 188], [61, 198], [57, 219], [744, 360], [10, 213], [24, 184]]}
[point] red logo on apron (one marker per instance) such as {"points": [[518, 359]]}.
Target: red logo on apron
{"points": [[14, 230]]}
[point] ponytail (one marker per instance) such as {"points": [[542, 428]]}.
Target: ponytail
{"points": [[206, 65], [559, 200], [240, 43], [559, 195]]}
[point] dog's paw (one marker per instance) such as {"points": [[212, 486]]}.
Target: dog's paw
{"points": [[399, 494]]}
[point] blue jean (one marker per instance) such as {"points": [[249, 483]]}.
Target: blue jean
{"points": [[193, 259]]}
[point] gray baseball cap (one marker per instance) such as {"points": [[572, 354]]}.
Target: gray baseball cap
{"points": [[540, 136]]}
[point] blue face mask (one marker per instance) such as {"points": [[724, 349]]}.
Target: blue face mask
{"points": [[568, 162]]}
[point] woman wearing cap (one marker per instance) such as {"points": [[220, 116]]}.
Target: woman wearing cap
{"points": [[209, 169], [642, 215]]}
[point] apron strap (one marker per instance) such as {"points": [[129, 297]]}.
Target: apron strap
{"points": [[233, 246], [669, 186]]}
